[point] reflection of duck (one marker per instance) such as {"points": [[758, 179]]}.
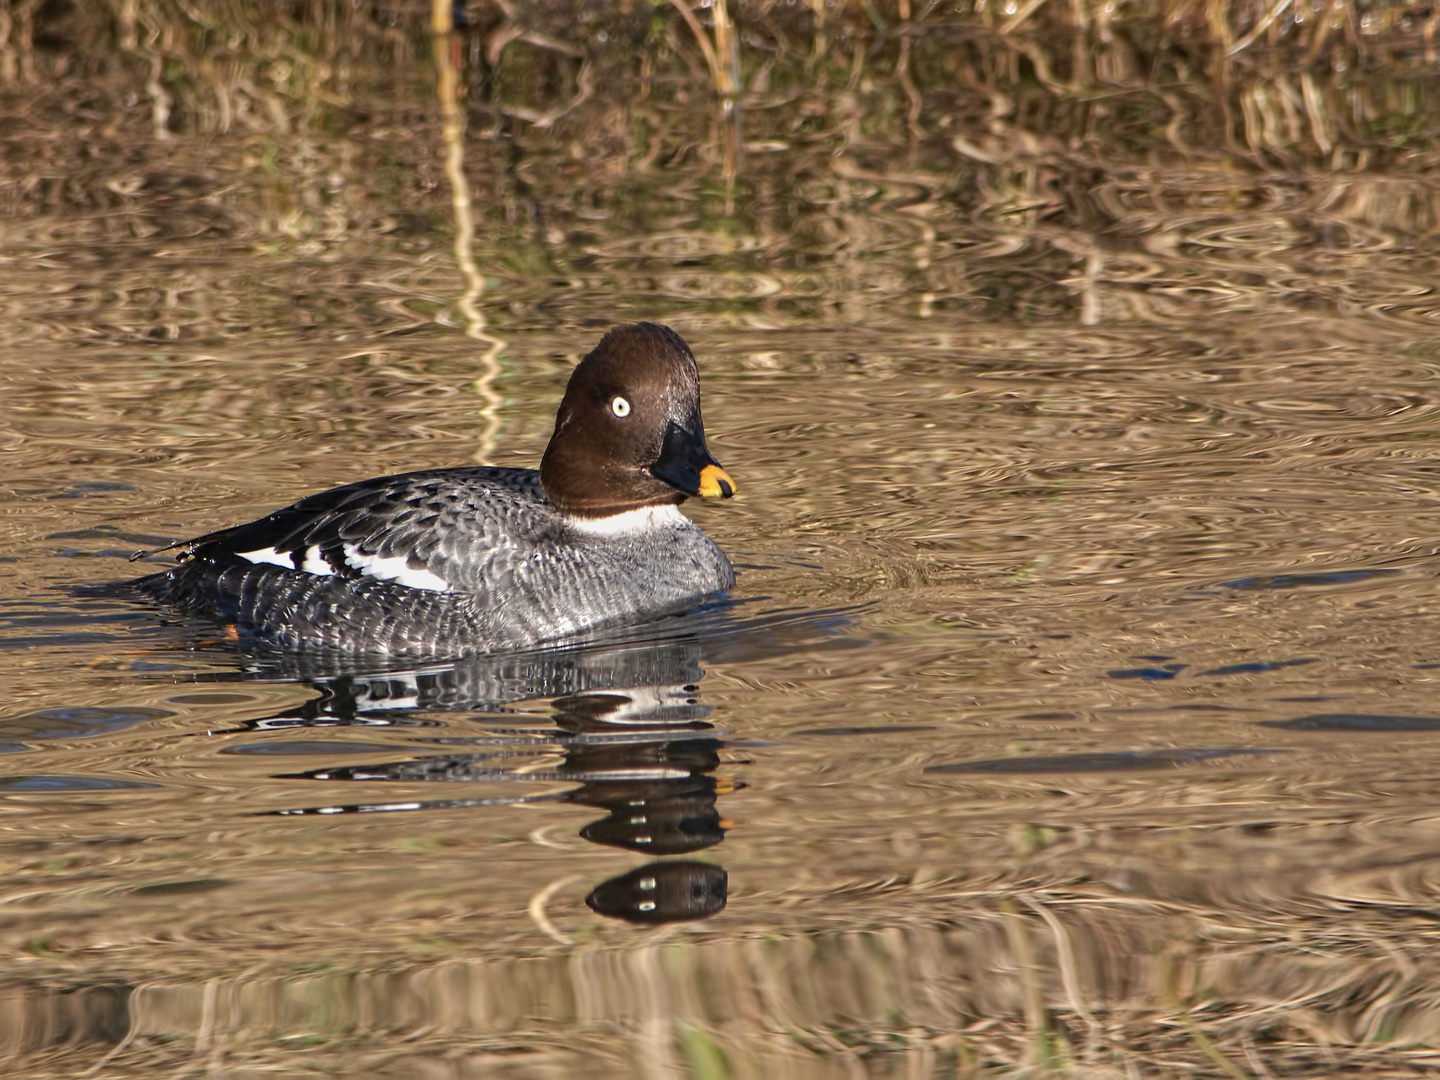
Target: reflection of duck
{"points": [[645, 754], [351, 692], [662, 892], [628, 731], [655, 782], [467, 560]]}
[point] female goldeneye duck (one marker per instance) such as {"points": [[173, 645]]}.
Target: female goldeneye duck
{"points": [[465, 560]]}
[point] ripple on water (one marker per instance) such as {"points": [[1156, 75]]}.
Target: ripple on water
{"points": [[71, 722], [874, 729], [303, 748], [1254, 667], [56, 784], [1355, 722], [180, 888], [1098, 762], [1307, 581], [1147, 674]]}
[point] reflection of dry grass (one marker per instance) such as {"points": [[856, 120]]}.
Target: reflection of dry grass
{"points": [[1049, 980], [1063, 158]]}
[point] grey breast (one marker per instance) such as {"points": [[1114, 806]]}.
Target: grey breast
{"points": [[565, 581]]}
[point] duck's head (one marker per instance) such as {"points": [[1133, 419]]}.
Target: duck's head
{"points": [[629, 434]]}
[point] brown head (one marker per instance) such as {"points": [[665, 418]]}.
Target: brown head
{"points": [[629, 433]]}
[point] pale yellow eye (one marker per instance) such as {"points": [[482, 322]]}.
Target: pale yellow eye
{"points": [[620, 407]]}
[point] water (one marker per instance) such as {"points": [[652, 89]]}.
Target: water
{"points": [[1075, 708]]}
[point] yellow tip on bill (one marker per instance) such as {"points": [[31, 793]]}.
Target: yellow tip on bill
{"points": [[716, 481]]}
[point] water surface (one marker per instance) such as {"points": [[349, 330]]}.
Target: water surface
{"points": [[1075, 709]]}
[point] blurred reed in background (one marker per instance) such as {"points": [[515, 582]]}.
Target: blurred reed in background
{"points": [[813, 148]]}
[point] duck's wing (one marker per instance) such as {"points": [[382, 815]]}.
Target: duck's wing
{"points": [[435, 530]]}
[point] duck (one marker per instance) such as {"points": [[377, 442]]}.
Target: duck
{"points": [[478, 559]]}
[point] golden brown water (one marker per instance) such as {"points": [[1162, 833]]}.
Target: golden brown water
{"points": [[1075, 711]]}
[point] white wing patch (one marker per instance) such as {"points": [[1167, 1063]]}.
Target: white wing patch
{"points": [[269, 555], [311, 564], [314, 563], [394, 568]]}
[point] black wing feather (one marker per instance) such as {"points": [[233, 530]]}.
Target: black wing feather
{"points": [[432, 518]]}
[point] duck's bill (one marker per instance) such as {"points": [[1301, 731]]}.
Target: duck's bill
{"points": [[686, 465]]}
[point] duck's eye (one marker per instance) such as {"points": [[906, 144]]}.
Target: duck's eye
{"points": [[620, 407]]}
